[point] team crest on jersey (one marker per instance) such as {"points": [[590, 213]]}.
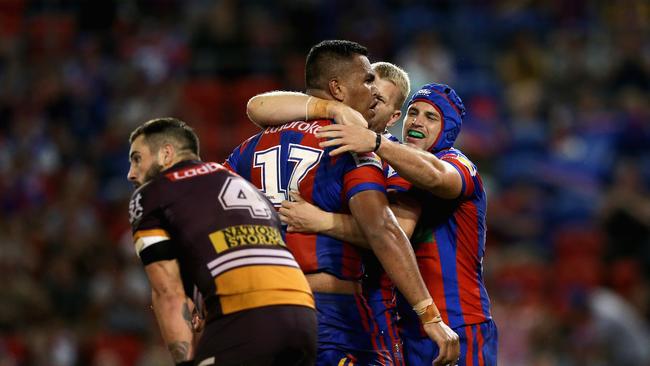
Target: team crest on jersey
{"points": [[391, 172], [366, 159], [135, 208]]}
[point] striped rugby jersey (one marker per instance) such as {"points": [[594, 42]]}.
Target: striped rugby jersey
{"points": [[449, 244], [287, 158]]}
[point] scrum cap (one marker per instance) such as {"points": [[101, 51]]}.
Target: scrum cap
{"points": [[451, 109]]}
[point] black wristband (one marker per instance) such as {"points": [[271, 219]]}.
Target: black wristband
{"points": [[185, 363], [377, 142]]}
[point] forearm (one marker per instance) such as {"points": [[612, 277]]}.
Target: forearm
{"points": [[389, 243], [175, 322], [420, 168], [343, 227], [279, 107], [394, 251]]}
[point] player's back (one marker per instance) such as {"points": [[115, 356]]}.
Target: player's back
{"points": [[288, 158], [225, 235]]}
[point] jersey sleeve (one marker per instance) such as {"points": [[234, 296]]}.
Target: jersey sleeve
{"points": [[393, 180], [466, 169], [152, 242], [233, 159], [364, 172]]}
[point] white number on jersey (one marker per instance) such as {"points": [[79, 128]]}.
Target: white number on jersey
{"points": [[305, 158], [237, 194]]}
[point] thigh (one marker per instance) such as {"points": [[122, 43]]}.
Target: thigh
{"points": [[348, 333]]}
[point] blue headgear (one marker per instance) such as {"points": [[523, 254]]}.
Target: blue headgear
{"points": [[451, 109]]}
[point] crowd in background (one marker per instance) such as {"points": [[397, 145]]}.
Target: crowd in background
{"points": [[558, 100]]}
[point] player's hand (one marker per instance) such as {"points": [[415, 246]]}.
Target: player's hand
{"points": [[300, 215], [348, 138], [197, 321], [447, 341], [345, 115]]}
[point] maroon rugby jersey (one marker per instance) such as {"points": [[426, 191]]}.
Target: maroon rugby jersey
{"points": [[224, 233]]}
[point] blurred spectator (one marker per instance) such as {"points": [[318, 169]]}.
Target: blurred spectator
{"points": [[558, 121]]}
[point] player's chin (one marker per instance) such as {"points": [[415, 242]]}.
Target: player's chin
{"points": [[413, 142]]}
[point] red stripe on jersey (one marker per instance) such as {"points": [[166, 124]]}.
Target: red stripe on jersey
{"points": [[398, 181], [479, 347], [361, 175], [428, 259], [466, 261], [303, 248], [350, 261], [469, 354], [306, 185]]}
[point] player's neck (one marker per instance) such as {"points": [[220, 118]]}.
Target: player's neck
{"points": [[179, 159], [319, 94]]}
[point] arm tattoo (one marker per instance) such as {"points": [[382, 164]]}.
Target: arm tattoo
{"points": [[179, 350]]}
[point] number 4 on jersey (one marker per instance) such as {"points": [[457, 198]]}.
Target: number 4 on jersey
{"points": [[238, 195], [304, 159]]}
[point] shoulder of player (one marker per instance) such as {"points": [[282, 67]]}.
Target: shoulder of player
{"points": [[366, 159], [458, 157], [390, 137]]}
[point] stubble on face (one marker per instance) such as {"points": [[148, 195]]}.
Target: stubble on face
{"points": [[151, 173]]}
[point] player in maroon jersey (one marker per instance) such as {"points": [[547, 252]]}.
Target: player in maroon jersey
{"points": [[196, 224]]}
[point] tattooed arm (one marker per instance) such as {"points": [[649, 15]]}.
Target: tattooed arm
{"points": [[172, 308]]}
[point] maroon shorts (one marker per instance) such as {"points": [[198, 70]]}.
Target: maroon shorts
{"points": [[273, 335]]}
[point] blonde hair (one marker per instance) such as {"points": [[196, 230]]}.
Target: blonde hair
{"points": [[397, 76]]}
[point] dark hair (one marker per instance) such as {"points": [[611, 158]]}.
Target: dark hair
{"points": [[326, 60], [168, 129]]}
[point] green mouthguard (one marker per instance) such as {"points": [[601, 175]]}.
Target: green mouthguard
{"points": [[416, 134]]}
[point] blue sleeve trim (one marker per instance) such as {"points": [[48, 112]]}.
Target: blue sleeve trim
{"points": [[365, 187], [396, 188], [462, 179]]}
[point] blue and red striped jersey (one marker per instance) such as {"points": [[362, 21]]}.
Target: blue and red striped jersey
{"points": [[287, 158], [449, 244]]}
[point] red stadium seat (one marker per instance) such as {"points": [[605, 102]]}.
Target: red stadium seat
{"points": [[126, 347]]}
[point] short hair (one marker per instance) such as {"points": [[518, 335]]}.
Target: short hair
{"points": [[327, 59], [397, 76], [158, 131]]}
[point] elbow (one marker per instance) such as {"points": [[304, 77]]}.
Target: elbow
{"points": [[252, 109], [383, 233]]}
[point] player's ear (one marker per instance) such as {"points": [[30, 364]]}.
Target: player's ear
{"points": [[166, 155], [337, 90], [394, 118]]}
